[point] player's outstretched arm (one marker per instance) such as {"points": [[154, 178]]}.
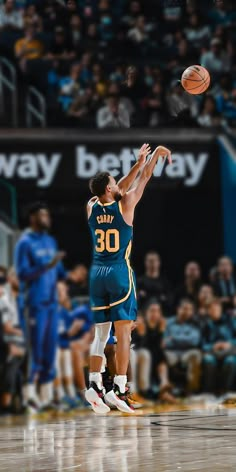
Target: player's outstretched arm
{"points": [[134, 195], [126, 182]]}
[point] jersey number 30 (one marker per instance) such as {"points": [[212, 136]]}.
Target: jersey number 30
{"points": [[107, 240]]}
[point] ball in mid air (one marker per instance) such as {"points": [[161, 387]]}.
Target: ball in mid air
{"points": [[195, 79]]}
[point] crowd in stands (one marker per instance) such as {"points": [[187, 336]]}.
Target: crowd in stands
{"points": [[183, 341], [79, 52]]}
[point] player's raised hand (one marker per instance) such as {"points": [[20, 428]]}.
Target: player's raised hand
{"points": [[164, 152], [144, 151]]}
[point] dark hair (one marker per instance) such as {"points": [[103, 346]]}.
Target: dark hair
{"points": [[36, 206], [184, 301], [98, 183]]}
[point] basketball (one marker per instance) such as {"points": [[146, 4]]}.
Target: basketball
{"points": [[195, 80]]}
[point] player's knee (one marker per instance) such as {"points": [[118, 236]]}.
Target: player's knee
{"points": [[102, 332]]}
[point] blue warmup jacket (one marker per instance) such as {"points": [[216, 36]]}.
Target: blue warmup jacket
{"points": [[83, 312], [33, 253], [181, 336], [66, 319]]}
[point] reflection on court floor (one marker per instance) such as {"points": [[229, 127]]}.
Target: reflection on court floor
{"points": [[165, 440]]}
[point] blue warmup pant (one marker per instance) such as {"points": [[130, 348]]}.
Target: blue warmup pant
{"points": [[43, 329]]}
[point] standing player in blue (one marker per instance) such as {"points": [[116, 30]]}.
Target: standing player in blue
{"points": [[112, 286], [38, 265]]}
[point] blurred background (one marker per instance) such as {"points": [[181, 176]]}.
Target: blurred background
{"points": [[83, 84]]}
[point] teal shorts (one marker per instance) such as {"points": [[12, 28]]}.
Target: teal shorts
{"points": [[113, 293]]}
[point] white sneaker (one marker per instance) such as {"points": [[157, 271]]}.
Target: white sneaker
{"points": [[95, 397], [120, 400]]}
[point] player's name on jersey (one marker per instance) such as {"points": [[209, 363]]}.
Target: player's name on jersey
{"points": [[105, 219]]}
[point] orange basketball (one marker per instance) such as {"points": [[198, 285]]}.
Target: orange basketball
{"points": [[195, 80]]}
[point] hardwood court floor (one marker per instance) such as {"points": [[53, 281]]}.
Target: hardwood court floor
{"points": [[165, 440]]}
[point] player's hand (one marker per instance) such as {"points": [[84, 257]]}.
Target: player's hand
{"points": [[144, 151], [164, 152], [59, 256]]}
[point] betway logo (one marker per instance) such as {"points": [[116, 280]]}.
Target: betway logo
{"points": [[40, 167], [43, 168], [186, 166]]}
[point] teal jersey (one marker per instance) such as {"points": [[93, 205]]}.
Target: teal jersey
{"points": [[111, 235]]}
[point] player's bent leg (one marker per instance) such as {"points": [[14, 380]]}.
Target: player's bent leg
{"points": [[95, 394], [118, 396]]}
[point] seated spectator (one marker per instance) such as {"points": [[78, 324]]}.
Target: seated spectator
{"points": [[75, 32], [69, 86], [221, 14], [84, 106], [138, 34], [182, 341], [178, 101], [196, 32], [192, 282], [181, 56], [114, 89], [28, 48], [61, 47], [78, 281], [204, 299], [153, 284], [134, 10], [106, 29], [155, 105], [90, 41], [135, 88], [74, 337], [149, 355], [209, 116], [225, 285], [32, 18], [86, 74], [113, 114], [10, 17], [216, 60], [219, 359], [99, 81]]}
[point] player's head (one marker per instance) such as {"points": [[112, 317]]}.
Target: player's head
{"points": [[104, 185], [39, 216]]}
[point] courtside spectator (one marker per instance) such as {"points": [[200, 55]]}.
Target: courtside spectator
{"points": [[152, 284], [182, 343], [225, 284], [204, 299], [219, 359], [149, 354], [192, 282]]}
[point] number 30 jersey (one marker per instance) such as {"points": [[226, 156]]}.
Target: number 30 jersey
{"points": [[111, 235]]}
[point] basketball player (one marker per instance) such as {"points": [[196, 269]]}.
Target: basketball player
{"points": [[112, 287], [38, 265]]}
